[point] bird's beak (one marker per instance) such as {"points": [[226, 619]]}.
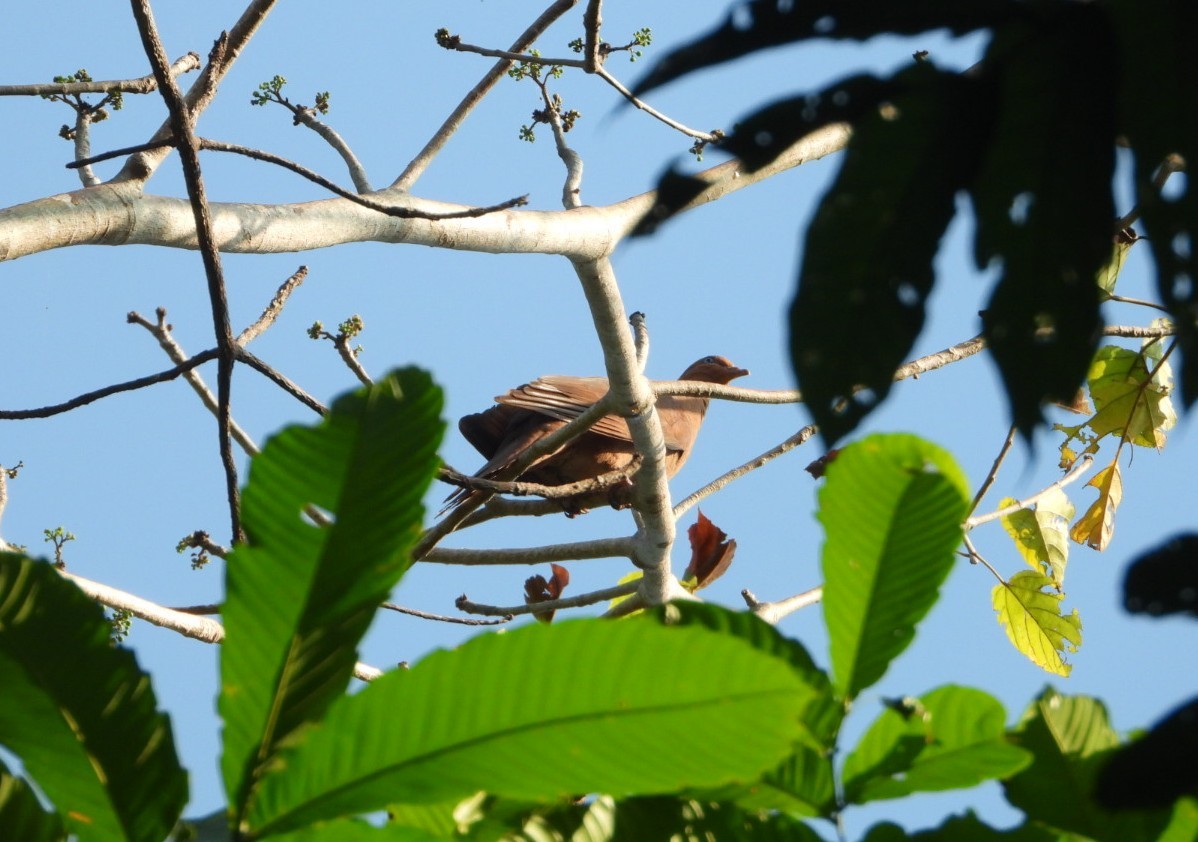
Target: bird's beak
{"points": [[738, 372]]}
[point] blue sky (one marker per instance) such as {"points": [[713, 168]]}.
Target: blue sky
{"points": [[133, 474]]}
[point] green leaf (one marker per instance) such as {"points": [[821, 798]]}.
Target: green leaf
{"points": [[892, 507], [1109, 274], [21, 814], [80, 714], [1128, 402], [822, 712], [1033, 620], [300, 597], [951, 738], [969, 828], [654, 818], [1044, 208], [1042, 534], [868, 253], [1071, 739], [545, 712], [355, 830]]}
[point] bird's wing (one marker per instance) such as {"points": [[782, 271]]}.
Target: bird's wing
{"points": [[565, 398]]}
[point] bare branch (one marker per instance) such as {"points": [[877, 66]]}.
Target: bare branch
{"points": [[274, 308], [576, 551], [420, 163], [775, 612], [281, 381], [549, 492], [993, 474], [464, 604], [141, 166], [188, 625], [116, 388], [183, 129], [441, 618], [143, 85], [753, 464], [1075, 472], [592, 23]]}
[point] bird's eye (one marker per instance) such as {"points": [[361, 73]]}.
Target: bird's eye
{"points": [[710, 360]]}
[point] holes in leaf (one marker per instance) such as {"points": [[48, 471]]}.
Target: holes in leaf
{"points": [[763, 138], [1183, 286], [742, 17], [840, 98], [889, 112], [1181, 245], [1175, 188], [825, 25], [1021, 206], [786, 6], [865, 398], [907, 294], [1046, 329]]}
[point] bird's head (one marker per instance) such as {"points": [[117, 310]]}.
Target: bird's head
{"points": [[713, 370]]}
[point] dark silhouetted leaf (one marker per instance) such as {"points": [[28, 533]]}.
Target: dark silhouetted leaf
{"points": [[867, 258], [759, 24], [1043, 202], [1156, 769], [21, 814], [1165, 580], [674, 192], [1158, 103]]}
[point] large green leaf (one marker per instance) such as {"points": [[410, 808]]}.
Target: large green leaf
{"points": [[1071, 738], [892, 507], [868, 253], [969, 828], [543, 712], [21, 814], [951, 738], [822, 712], [79, 713], [299, 597], [1043, 200]]}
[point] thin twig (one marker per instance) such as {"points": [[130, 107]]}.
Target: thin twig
{"points": [[189, 625], [144, 85], [274, 308], [753, 464], [575, 551], [615, 592], [420, 163], [441, 618], [774, 612], [990, 477], [231, 42], [183, 130], [381, 207], [116, 388], [1075, 472], [162, 332], [976, 557], [281, 381], [1172, 164], [517, 488]]}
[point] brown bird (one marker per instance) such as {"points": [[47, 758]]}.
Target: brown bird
{"points": [[534, 410]]}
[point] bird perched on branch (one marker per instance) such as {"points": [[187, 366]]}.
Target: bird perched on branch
{"points": [[527, 414]]}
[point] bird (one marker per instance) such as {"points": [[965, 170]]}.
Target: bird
{"points": [[528, 413]]}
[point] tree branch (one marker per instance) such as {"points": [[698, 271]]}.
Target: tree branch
{"points": [[144, 85]]}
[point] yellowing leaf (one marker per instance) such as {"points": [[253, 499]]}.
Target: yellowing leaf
{"points": [[1034, 623], [1097, 525], [1041, 535], [631, 576], [1127, 401], [1109, 273]]}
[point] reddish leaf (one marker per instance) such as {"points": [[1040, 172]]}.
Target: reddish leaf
{"points": [[538, 589], [711, 553], [817, 468]]}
